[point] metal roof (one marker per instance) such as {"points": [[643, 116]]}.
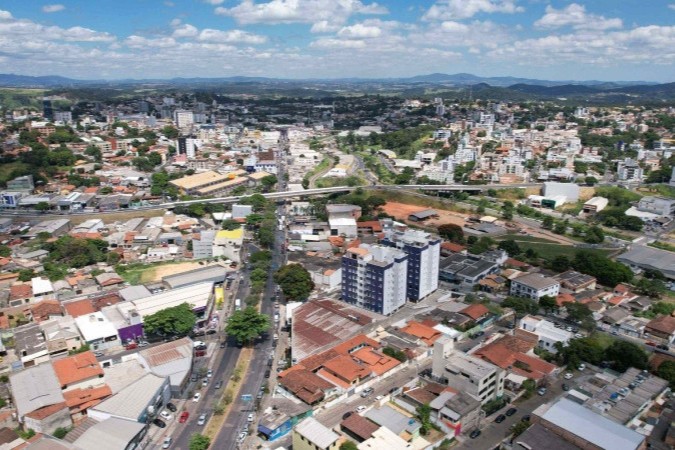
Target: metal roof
{"points": [[316, 433], [131, 401], [35, 388], [110, 434]]}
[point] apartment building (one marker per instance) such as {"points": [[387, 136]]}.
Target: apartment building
{"points": [[466, 373], [629, 170], [534, 286], [374, 278], [424, 252], [657, 205], [547, 333], [183, 118]]}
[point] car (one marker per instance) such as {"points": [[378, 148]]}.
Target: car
{"points": [[209, 374], [196, 397], [500, 418], [260, 395], [568, 329], [205, 382], [98, 354], [378, 398], [250, 417], [474, 434], [542, 391], [242, 436], [143, 344], [166, 415], [346, 415], [511, 411], [167, 442], [581, 367], [267, 373], [218, 385], [198, 344], [160, 423], [171, 407], [131, 346], [650, 343], [526, 418], [201, 420], [366, 392], [568, 375], [223, 344], [565, 387], [663, 347], [194, 378], [184, 416], [360, 409], [578, 336]]}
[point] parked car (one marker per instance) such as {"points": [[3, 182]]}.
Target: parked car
{"points": [[565, 387], [242, 437], [663, 347], [526, 418], [184, 416], [131, 346], [500, 418], [167, 442], [218, 385], [581, 367], [166, 415], [378, 398], [171, 407], [474, 434], [366, 392], [511, 411], [360, 409], [160, 423], [568, 375], [346, 415], [541, 391], [98, 354], [205, 382], [201, 420], [196, 397], [223, 344], [650, 343], [209, 374], [267, 373], [250, 417]]}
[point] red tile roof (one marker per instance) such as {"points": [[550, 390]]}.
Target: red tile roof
{"points": [[305, 385], [76, 368], [346, 368], [20, 291], [44, 309], [452, 247], [663, 324], [515, 263], [561, 299], [359, 426], [525, 365], [475, 311], [374, 225], [427, 334], [79, 400], [376, 361], [46, 411], [79, 308]]}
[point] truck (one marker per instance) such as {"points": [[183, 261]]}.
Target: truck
{"points": [[237, 304]]}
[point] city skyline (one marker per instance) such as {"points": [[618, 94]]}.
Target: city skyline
{"points": [[335, 39]]}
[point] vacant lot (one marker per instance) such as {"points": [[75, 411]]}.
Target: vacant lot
{"points": [[151, 273], [401, 211]]}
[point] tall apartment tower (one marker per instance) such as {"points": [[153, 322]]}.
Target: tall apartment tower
{"points": [[183, 118], [374, 278], [424, 253]]}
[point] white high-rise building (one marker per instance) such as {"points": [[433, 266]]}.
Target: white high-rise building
{"points": [[183, 118], [374, 278]]}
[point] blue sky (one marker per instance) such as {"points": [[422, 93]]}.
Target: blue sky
{"points": [[560, 40]]}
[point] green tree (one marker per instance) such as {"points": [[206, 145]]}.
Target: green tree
{"points": [[666, 371], [521, 305], [26, 274], [176, 320], [591, 181], [42, 206], [269, 181], [520, 427], [247, 324], [547, 223], [230, 225], [5, 251], [652, 288], [579, 312], [594, 235], [511, 247], [295, 281], [560, 227], [424, 416], [451, 232], [625, 355], [548, 303], [199, 441], [608, 272], [348, 445], [560, 263], [171, 133], [396, 354]]}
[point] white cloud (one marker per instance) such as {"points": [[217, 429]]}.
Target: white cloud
{"points": [[575, 15], [324, 27], [5, 15], [231, 36], [140, 42], [359, 31], [175, 22], [214, 2], [185, 30], [464, 9], [298, 11], [451, 33], [671, 6], [337, 43], [53, 8]]}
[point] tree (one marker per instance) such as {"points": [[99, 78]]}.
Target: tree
{"points": [[520, 427], [176, 320], [424, 416], [594, 235], [269, 181], [247, 324], [199, 441], [652, 288], [578, 312], [42, 206], [26, 274], [295, 281], [560, 263], [521, 305], [608, 272], [548, 303], [547, 223], [396, 354], [230, 225], [591, 181], [511, 247], [625, 355], [348, 445], [451, 232], [170, 132], [560, 227], [5, 251], [667, 371]]}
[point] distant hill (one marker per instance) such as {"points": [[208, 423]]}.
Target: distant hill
{"points": [[12, 80], [554, 91]]}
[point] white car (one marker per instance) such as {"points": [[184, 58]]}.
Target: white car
{"points": [[209, 374], [250, 417], [378, 398], [196, 397], [202, 419], [166, 415], [242, 437], [578, 336], [360, 409], [197, 344], [167, 442], [581, 367], [568, 375]]}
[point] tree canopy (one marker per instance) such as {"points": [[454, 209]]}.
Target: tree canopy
{"points": [[296, 283], [608, 272], [521, 305], [247, 324], [176, 320], [451, 232], [667, 371], [199, 442]]}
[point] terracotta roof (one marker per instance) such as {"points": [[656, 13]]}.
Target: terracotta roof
{"points": [[663, 324], [346, 368], [621, 288], [375, 225], [561, 299], [427, 334], [4, 323], [529, 366], [376, 361], [46, 411], [475, 311], [305, 385], [359, 426], [452, 247], [19, 291], [77, 368], [357, 341], [42, 310], [515, 263], [616, 300], [336, 241], [83, 399], [79, 308]]}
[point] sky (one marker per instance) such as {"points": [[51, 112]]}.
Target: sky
{"points": [[544, 39]]}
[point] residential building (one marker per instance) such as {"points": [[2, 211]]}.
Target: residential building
{"points": [[547, 333], [310, 434], [278, 420], [97, 331], [342, 219], [183, 118], [29, 345], [228, 243], [662, 327], [595, 205], [402, 425], [20, 184], [629, 170], [466, 373], [575, 281], [374, 277], [657, 205], [202, 244], [423, 252], [465, 269], [534, 286]]}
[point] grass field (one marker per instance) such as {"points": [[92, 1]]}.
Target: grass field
{"points": [[7, 169], [545, 248]]}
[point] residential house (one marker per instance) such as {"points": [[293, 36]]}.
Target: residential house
{"points": [[279, 419], [662, 327], [466, 269], [310, 434], [42, 289], [575, 281], [82, 382], [29, 345], [534, 286], [547, 333]]}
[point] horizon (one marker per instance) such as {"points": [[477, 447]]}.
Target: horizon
{"points": [[337, 39]]}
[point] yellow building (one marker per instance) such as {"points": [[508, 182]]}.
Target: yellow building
{"points": [[228, 243], [312, 435]]}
